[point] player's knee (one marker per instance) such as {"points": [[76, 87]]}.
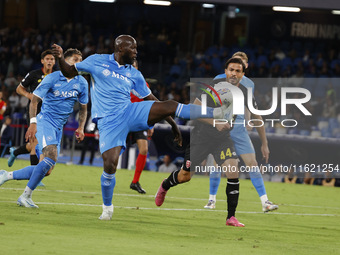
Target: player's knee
{"points": [[184, 176], [51, 151], [171, 106], [143, 150], [110, 166], [252, 163]]}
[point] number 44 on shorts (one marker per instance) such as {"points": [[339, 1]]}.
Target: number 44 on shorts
{"points": [[227, 154]]}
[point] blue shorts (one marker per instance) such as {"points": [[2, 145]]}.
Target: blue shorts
{"points": [[242, 142], [47, 134], [113, 129]]}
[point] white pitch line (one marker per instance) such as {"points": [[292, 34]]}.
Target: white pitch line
{"points": [[169, 197], [181, 209]]}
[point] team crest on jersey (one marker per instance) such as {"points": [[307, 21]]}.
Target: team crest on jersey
{"points": [[188, 163], [128, 75], [76, 86], [106, 72]]}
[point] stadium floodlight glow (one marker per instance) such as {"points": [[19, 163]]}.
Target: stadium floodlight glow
{"points": [[103, 1], [155, 2], [336, 12], [208, 6], [286, 9]]}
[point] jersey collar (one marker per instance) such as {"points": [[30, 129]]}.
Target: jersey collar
{"points": [[112, 58]]}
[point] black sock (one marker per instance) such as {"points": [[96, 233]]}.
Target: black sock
{"points": [[232, 192], [171, 181], [21, 150], [34, 160]]}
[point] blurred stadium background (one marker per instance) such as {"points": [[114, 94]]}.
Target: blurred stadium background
{"points": [[190, 39]]}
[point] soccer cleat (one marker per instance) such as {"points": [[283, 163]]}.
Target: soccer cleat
{"points": [[26, 202], [232, 221], [160, 195], [107, 212], [210, 204], [3, 177], [12, 157], [269, 206], [136, 186]]}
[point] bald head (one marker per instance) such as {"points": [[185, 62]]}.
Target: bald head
{"points": [[124, 39], [125, 49]]}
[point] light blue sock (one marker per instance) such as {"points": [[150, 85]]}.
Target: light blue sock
{"points": [[257, 180], [23, 174], [108, 182], [39, 172], [215, 179], [191, 111]]}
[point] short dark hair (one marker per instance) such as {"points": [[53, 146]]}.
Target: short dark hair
{"points": [[45, 53], [235, 61], [70, 52]]}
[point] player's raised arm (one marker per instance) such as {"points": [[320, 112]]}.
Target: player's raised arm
{"points": [[175, 130], [68, 71]]}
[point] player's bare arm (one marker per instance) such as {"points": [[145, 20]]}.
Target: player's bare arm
{"points": [[178, 136], [32, 129], [23, 92], [262, 134], [68, 71], [82, 119]]}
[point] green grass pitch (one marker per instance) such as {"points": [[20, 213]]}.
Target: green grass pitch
{"points": [[307, 221]]}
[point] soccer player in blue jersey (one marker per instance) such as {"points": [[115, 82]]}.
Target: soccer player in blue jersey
{"points": [[59, 94], [112, 79], [244, 148]]}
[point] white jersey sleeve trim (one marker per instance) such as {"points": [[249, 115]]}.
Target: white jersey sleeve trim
{"points": [[37, 95], [138, 95]]}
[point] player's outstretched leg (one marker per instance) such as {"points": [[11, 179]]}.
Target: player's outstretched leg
{"points": [[22, 174], [38, 174], [232, 192], [161, 110], [3, 177], [167, 183]]}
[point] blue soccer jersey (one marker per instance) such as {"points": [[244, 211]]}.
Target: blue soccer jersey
{"points": [[239, 133], [59, 96], [111, 84]]}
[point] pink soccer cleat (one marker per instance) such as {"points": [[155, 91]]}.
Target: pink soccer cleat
{"points": [[160, 195], [234, 222]]}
